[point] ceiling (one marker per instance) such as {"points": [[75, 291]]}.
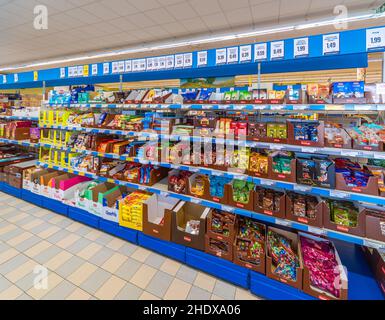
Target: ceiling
{"points": [[84, 26]]}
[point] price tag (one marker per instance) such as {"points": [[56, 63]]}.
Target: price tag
{"points": [[233, 55], [170, 62], [150, 64], [202, 58], [260, 51], [316, 230], [94, 69], [373, 244], [142, 64], [164, 194], [245, 53], [267, 183], [196, 201], [135, 65], [62, 73], [121, 66], [339, 194], [301, 47], [128, 66], [162, 63], [227, 208], [115, 67], [86, 71], [220, 56], [75, 71], [283, 222], [4, 78], [187, 60], [309, 150], [106, 68], [302, 188], [331, 43], [349, 154], [35, 76], [80, 71], [16, 77], [375, 38], [277, 50], [179, 61], [156, 63]]}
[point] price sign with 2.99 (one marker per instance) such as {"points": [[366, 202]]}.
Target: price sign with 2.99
{"points": [[375, 38]]}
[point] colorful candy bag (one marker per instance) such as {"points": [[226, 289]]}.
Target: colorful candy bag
{"points": [[343, 213], [285, 259], [319, 257]]}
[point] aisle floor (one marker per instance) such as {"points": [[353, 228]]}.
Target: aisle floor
{"points": [[85, 263]]}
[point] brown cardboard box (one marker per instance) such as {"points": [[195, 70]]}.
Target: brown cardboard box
{"points": [[20, 134], [315, 292], [371, 187], [375, 224], [246, 206], [292, 177], [182, 213], [281, 213], [269, 261], [307, 143], [319, 214], [157, 216], [220, 248], [359, 230]]}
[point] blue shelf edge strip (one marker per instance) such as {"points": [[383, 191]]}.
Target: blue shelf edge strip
{"points": [[362, 283]]}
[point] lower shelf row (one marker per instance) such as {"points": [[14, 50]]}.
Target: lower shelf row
{"points": [[302, 261]]}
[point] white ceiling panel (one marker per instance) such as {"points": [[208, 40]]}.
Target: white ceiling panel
{"points": [[80, 26]]}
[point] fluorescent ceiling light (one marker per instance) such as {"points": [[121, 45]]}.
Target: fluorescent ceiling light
{"points": [[192, 42]]}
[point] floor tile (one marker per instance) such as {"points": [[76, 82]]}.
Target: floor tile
{"points": [[141, 254], [224, 290], [21, 271], [129, 292], [110, 289], [26, 282], [41, 228], [82, 273], [159, 284], [57, 236], [24, 297], [7, 255], [170, 266], [46, 255], [11, 293], [27, 243], [143, 276], [205, 282], [242, 294], [11, 234], [68, 241], [104, 239], [101, 256], [60, 292], [198, 294], [20, 217], [13, 263], [47, 233], [79, 245], [187, 274], [53, 281], [57, 261], [95, 281], [128, 249], [37, 248], [115, 244], [78, 294], [178, 290], [148, 296], [89, 251], [70, 266], [4, 284], [114, 262], [128, 269], [155, 260]]}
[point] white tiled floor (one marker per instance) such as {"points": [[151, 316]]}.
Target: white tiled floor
{"points": [[84, 263]]}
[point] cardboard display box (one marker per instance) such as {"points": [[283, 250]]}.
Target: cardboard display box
{"points": [[371, 187], [157, 216], [308, 288], [234, 203], [111, 200], [181, 215], [317, 221], [308, 143], [97, 195], [374, 224], [279, 212], [289, 177], [35, 186], [13, 174], [269, 260]]}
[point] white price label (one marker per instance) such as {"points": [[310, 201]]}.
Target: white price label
{"points": [[142, 65], [331, 43], [150, 64], [4, 78], [316, 230], [227, 208], [260, 51], [373, 244], [106, 68], [277, 50], [302, 188], [380, 88], [349, 154], [379, 156], [75, 71], [156, 63], [267, 183], [233, 55], [202, 58], [375, 38], [62, 72], [162, 63], [179, 61], [339, 194], [188, 60], [115, 67], [70, 72], [196, 201], [80, 71], [309, 150], [128, 66], [283, 222], [16, 77], [301, 47], [94, 69], [220, 56], [170, 62], [121, 66], [135, 65], [245, 53]]}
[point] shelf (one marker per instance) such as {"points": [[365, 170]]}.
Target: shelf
{"points": [[24, 143], [19, 118], [232, 107], [240, 143], [315, 191], [161, 189], [362, 284]]}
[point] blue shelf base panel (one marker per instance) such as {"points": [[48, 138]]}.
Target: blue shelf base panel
{"points": [[83, 217], [218, 267], [169, 249], [6, 188], [55, 206], [32, 198], [362, 283], [267, 288], [118, 231]]}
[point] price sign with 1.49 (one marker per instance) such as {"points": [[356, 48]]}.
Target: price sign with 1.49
{"points": [[331, 43]]}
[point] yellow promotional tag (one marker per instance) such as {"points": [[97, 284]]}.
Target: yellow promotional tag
{"points": [[86, 71], [35, 76]]}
